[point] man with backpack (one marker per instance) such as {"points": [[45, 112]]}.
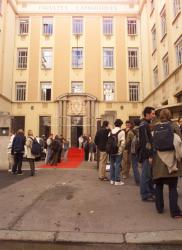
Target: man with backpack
{"points": [[115, 147], [145, 155], [134, 151], [100, 140]]}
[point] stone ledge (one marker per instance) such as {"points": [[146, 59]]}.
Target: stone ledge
{"points": [[36, 236], [90, 237], [160, 237]]}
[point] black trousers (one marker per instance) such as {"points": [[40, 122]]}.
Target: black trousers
{"points": [[18, 158], [173, 195], [32, 166]]}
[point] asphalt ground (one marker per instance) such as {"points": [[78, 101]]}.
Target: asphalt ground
{"points": [[73, 207]]}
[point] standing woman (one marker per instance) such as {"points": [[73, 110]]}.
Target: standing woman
{"points": [[30, 156], [161, 173]]}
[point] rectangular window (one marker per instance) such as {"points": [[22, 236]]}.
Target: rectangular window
{"points": [[22, 58], [133, 58], [23, 26], [77, 25], [20, 91], [108, 54], [132, 26], [45, 91], [165, 65], [178, 46], [107, 25], [77, 87], [77, 57], [176, 7], [108, 91], [155, 74], [163, 22], [154, 38], [47, 28], [46, 58], [133, 91]]}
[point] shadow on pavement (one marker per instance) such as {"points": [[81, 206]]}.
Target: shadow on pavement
{"points": [[7, 179]]}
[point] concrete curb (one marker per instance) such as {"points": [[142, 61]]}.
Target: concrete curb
{"points": [[78, 237], [158, 237], [37, 236]]}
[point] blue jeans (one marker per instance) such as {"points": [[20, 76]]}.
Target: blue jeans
{"points": [[146, 183], [115, 168], [134, 161]]}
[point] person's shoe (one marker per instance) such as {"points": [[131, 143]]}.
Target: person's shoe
{"points": [[124, 177], [105, 179], [19, 173], [149, 199], [177, 216], [101, 178], [119, 183], [9, 170], [112, 182]]}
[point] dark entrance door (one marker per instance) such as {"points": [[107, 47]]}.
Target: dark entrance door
{"points": [[76, 129], [17, 122]]}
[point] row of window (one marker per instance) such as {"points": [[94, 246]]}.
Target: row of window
{"points": [[77, 58], [165, 62], [77, 26], [176, 5], [77, 87]]}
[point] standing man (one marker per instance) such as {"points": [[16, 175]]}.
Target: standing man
{"points": [[116, 158], [145, 155], [126, 162], [101, 138]]}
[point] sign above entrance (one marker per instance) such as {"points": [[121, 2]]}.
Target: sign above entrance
{"points": [[77, 8]]}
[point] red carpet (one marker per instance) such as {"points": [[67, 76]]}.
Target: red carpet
{"points": [[75, 157]]}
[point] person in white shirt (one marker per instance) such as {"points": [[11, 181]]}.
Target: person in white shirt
{"points": [[10, 156], [115, 159]]}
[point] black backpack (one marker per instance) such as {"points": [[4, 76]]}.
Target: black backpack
{"points": [[112, 143], [36, 148], [163, 137]]}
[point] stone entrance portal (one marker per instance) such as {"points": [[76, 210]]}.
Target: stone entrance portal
{"points": [[76, 116]]}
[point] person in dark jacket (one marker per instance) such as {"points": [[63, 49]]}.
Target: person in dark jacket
{"points": [[145, 155], [180, 123], [18, 151], [100, 140]]}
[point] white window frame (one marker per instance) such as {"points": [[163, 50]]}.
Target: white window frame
{"points": [[46, 58], [22, 59], [77, 57], [77, 25], [133, 91], [178, 47], [108, 26], [154, 38], [156, 76], [108, 91], [163, 22], [47, 26], [45, 88], [132, 26], [23, 26], [133, 58], [76, 87], [108, 57], [20, 91], [165, 61], [176, 7]]}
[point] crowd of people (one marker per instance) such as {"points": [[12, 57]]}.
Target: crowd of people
{"points": [[145, 142], [154, 144]]}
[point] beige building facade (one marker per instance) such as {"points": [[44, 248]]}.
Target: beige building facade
{"points": [[67, 65]]}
